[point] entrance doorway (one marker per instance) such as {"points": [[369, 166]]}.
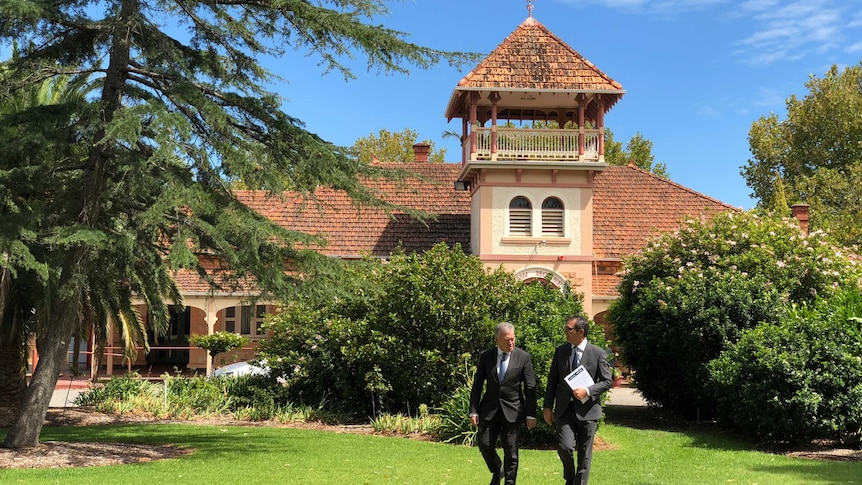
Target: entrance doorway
{"points": [[171, 349]]}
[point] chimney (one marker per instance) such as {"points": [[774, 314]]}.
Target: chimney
{"points": [[420, 152], [800, 212]]}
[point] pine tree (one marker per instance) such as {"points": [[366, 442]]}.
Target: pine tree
{"points": [[136, 182]]}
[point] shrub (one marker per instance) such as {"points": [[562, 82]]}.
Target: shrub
{"points": [[687, 296], [799, 379], [398, 342]]}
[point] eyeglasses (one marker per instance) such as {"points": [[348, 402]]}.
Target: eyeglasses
{"points": [[571, 329]]}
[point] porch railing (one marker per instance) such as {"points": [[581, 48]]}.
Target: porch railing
{"points": [[528, 144]]}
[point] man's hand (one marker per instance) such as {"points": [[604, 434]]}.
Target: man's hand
{"points": [[580, 393], [531, 423], [474, 420], [548, 415]]}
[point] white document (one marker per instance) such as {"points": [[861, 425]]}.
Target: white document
{"points": [[579, 378]]}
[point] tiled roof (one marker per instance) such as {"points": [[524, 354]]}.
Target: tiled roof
{"points": [[631, 205], [605, 284], [532, 57], [189, 282], [353, 231]]}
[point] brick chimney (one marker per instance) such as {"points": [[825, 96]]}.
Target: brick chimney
{"points": [[420, 152], [800, 212]]}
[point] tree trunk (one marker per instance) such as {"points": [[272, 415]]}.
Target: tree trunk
{"points": [[52, 345], [13, 379]]}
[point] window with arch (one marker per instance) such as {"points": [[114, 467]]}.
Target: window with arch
{"points": [[552, 217], [520, 217]]}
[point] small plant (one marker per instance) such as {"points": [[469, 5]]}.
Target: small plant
{"points": [[218, 342], [399, 423], [455, 424]]}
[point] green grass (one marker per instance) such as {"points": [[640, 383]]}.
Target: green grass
{"points": [[642, 452]]}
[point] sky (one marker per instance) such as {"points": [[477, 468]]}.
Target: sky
{"points": [[697, 73]]}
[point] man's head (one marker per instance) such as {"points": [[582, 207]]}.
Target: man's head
{"points": [[504, 336], [576, 330]]}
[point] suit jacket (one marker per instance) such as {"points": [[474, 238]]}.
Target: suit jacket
{"points": [[515, 395], [558, 394]]}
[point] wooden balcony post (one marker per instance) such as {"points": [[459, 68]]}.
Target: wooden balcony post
{"points": [[474, 124], [465, 147], [601, 126], [581, 127], [494, 97]]}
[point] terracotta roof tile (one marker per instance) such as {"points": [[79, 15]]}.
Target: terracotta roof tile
{"points": [[353, 231], [605, 284], [532, 57], [189, 282], [631, 205]]}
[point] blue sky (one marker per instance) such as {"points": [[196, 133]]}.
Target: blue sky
{"points": [[697, 73]]}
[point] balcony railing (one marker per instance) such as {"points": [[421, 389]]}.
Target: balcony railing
{"points": [[528, 144]]}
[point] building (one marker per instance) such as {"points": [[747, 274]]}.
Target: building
{"points": [[538, 200]]}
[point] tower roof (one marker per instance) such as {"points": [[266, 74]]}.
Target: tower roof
{"points": [[532, 58]]}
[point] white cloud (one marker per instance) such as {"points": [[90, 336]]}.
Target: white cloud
{"points": [[770, 97], [791, 30], [778, 30], [649, 5], [857, 47]]}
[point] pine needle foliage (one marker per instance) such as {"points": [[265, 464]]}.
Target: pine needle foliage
{"points": [[107, 194]]}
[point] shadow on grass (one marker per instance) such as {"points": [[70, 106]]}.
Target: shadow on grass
{"points": [[704, 434]]}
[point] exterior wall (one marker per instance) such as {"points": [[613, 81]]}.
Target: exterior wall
{"points": [[478, 239], [571, 241], [568, 258], [577, 274]]}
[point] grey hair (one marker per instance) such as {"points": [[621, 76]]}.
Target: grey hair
{"points": [[503, 327], [580, 323]]}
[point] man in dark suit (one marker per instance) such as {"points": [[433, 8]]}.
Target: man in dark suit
{"points": [[576, 421], [507, 374]]}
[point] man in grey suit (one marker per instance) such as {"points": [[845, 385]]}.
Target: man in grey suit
{"points": [[507, 374], [576, 421]]}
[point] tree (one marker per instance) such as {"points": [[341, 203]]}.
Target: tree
{"points": [[393, 147], [137, 186], [638, 151], [821, 132], [688, 295]]}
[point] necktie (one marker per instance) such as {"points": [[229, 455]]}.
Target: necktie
{"points": [[574, 358], [504, 363]]}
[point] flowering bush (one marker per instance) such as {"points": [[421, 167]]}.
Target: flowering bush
{"points": [[688, 295]]}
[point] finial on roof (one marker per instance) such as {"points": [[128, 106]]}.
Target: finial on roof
{"points": [[529, 8]]}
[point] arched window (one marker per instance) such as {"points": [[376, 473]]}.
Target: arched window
{"points": [[520, 217], [552, 217]]}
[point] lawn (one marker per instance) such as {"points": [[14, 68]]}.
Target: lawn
{"points": [[641, 452]]}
